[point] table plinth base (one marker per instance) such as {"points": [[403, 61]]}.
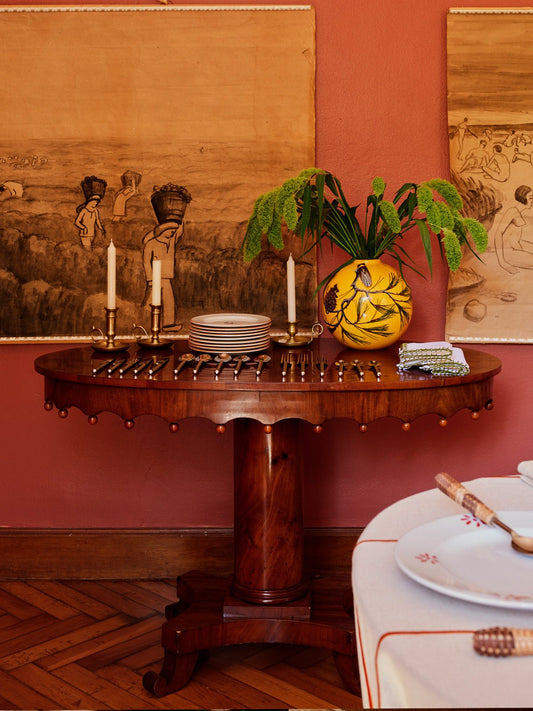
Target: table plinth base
{"points": [[198, 622], [233, 608]]}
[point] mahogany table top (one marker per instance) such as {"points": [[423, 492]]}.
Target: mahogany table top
{"points": [[271, 396]]}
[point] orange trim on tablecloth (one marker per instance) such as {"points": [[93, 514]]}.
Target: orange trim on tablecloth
{"points": [[362, 660], [406, 632], [376, 540]]}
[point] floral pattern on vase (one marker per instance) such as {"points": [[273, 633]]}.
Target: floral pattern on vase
{"points": [[367, 304]]}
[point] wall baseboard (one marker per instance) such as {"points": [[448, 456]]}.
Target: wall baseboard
{"points": [[112, 554]]}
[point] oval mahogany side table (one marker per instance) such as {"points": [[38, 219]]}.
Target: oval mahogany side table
{"points": [[269, 598]]}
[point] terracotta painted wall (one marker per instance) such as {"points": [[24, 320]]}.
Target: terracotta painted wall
{"points": [[381, 110]]}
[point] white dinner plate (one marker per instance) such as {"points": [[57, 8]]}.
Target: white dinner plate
{"points": [[462, 557], [231, 351], [224, 320]]}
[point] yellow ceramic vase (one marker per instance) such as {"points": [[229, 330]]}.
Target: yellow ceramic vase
{"points": [[367, 304]]}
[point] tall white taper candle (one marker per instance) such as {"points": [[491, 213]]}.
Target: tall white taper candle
{"points": [[111, 276], [156, 282], [291, 291]]}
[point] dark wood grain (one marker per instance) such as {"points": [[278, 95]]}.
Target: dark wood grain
{"points": [[269, 398], [268, 580]]}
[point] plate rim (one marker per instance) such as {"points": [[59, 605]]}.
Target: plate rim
{"points": [[255, 320], [474, 596]]}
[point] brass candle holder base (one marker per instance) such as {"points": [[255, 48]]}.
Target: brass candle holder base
{"points": [[292, 339], [105, 342], [152, 339]]}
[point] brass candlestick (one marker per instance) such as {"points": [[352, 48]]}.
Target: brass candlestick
{"points": [[292, 339], [106, 342], [152, 339]]}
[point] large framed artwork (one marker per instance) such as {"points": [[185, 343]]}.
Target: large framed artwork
{"points": [[490, 117], [115, 121]]}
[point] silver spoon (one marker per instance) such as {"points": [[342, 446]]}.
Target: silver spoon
{"points": [[183, 359], [261, 359], [460, 494], [200, 360], [221, 359], [238, 364]]}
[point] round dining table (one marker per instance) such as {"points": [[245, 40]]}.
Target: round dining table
{"points": [[270, 597], [415, 629]]}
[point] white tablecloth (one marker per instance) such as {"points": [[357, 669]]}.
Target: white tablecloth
{"points": [[415, 644]]}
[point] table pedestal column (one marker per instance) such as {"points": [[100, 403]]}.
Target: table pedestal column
{"points": [[268, 599], [268, 517]]}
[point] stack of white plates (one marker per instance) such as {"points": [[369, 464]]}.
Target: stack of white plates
{"points": [[229, 333]]}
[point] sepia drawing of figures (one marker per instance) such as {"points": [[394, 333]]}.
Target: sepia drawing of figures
{"points": [[130, 185], [169, 202], [490, 116], [125, 131], [88, 218]]}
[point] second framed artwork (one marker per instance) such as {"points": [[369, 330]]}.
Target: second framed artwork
{"points": [[115, 120], [490, 116]]}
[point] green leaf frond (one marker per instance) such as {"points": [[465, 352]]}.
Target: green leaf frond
{"points": [[447, 191], [251, 245], [424, 197], [265, 210], [452, 249], [390, 216], [275, 237], [478, 233], [446, 215], [378, 186], [307, 173], [285, 191], [290, 212], [433, 218]]}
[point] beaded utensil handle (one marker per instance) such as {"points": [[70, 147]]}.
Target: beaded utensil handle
{"points": [[503, 642], [460, 494]]}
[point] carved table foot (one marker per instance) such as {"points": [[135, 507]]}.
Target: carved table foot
{"points": [[198, 623]]}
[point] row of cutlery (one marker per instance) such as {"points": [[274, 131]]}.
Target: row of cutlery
{"points": [[152, 365], [300, 361]]}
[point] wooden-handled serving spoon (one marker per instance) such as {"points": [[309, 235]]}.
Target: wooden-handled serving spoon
{"points": [[460, 494]]}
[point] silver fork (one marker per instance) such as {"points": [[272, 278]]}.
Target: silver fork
{"points": [[286, 362], [303, 360]]}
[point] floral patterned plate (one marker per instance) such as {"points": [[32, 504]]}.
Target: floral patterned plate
{"points": [[462, 557]]}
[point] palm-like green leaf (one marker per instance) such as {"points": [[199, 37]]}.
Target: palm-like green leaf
{"points": [[313, 206]]}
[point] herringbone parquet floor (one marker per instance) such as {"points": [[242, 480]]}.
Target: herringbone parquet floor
{"points": [[86, 645]]}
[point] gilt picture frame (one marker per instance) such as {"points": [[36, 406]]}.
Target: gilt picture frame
{"points": [[490, 118], [107, 112]]}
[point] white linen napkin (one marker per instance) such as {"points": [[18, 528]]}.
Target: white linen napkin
{"points": [[525, 469], [437, 357]]}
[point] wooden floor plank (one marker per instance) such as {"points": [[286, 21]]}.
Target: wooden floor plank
{"points": [[105, 657], [22, 695], [97, 661], [16, 606], [131, 682], [63, 694], [102, 689], [290, 695], [27, 647], [243, 695], [316, 686], [74, 598], [149, 657], [56, 644], [39, 599], [131, 590], [97, 643], [18, 628], [99, 591], [7, 620], [165, 588]]}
